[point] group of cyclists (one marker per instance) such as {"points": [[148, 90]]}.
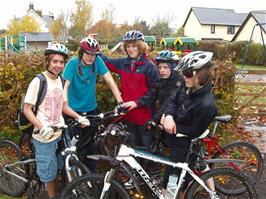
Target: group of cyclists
{"points": [[180, 87]]}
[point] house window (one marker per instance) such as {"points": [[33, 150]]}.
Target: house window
{"points": [[212, 29], [230, 29]]}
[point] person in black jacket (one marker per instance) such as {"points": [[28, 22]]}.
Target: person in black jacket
{"points": [[169, 81], [191, 109]]}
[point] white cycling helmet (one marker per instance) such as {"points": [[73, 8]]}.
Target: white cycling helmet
{"points": [[195, 61], [57, 49]]}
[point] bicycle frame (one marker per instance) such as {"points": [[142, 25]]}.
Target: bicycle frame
{"points": [[127, 154], [22, 162], [67, 153], [212, 143]]}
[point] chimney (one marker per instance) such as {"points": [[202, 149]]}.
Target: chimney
{"points": [[51, 15], [31, 6]]}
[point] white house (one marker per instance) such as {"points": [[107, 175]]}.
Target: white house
{"points": [[257, 19], [212, 23], [44, 21]]}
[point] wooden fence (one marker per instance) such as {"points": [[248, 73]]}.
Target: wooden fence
{"points": [[251, 95]]}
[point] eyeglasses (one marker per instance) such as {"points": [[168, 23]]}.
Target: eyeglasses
{"points": [[188, 73]]}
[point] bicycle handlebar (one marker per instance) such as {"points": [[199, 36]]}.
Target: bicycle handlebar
{"points": [[117, 112]]}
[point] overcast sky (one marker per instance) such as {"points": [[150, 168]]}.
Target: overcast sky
{"points": [[128, 10]]}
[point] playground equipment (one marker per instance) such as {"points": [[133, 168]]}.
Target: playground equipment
{"points": [[250, 40], [14, 43], [150, 40], [179, 44]]}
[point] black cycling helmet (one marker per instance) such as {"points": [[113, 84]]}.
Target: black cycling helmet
{"points": [[133, 35], [167, 56], [57, 49], [90, 45], [195, 61]]}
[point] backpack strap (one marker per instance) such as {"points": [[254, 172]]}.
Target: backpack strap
{"points": [[42, 91], [62, 80]]}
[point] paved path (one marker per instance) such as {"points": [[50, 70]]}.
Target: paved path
{"points": [[258, 134]]}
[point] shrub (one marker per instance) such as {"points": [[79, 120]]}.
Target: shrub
{"points": [[235, 51]]}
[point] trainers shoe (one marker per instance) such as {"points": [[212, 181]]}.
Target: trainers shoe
{"points": [[129, 184]]}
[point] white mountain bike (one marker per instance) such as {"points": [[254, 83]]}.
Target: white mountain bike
{"points": [[215, 183]]}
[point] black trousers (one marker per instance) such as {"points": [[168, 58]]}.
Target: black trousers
{"points": [[86, 144], [178, 148]]}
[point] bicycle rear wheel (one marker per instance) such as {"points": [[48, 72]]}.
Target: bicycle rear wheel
{"points": [[9, 184], [90, 186], [223, 181], [252, 164]]}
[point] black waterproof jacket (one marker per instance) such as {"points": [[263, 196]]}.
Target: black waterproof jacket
{"points": [[192, 111]]}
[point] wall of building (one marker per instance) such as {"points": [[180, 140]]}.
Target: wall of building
{"points": [[39, 20], [194, 29], [245, 33], [38, 46]]}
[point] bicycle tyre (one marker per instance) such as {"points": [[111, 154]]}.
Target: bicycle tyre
{"points": [[79, 188], [76, 165], [243, 151], [11, 153], [221, 176]]}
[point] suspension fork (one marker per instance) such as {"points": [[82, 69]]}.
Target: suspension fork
{"points": [[107, 182]]}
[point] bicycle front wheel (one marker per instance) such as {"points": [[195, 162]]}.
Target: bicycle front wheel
{"points": [[252, 164], [77, 169], [223, 181], [91, 186], [9, 184]]}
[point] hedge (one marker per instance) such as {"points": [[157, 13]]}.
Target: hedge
{"points": [[236, 51]]}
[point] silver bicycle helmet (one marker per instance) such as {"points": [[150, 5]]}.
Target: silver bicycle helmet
{"points": [[133, 35], [90, 45], [195, 61], [57, 49], [167, 56]]}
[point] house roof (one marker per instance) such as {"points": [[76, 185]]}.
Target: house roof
{"points": [[259, 16], [49, 20], [37, 36], [178, 40], [149, 39], [185, 40], [217, 16], [168, 40]]}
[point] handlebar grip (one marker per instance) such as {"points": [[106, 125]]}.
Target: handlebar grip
{"points": [[121, 110]]}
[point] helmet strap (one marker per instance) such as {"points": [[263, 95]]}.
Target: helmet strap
{"points": [[49, 71]]}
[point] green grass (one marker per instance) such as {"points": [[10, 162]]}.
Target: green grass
{"points": [[2, 196], [251, 67]]}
